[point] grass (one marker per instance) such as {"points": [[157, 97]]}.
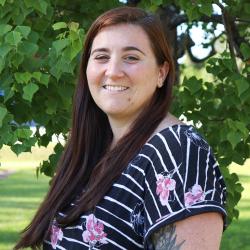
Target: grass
{"points": [[237, 235], [21, 194]]}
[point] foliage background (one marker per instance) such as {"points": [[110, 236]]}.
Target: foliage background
{"points": [[40, 45]]}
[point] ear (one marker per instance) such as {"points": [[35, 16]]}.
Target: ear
{"points": [[163, 72]]}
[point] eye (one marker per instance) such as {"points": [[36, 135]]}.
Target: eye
{"points": [[131, 59], [101, 58]]}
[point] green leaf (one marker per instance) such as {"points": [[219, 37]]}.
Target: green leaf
{"points": [[23, 77], [9, 137], [13, 38], [19, 17], [8, 94], [2, 2], [239, 188], [236, 213], [73, 26], [17, 59], [207, 9], [234, 177], [6, 86], [29, 3], [44, 140], [234, 138], [71, 52], [41, 78], [73, 35], [30, 142], [3, 113], [37, 76], [23, 133], [58, 149], [241, 126], [192, 84], [39, 5], [59, 25], [28, 48], [2, 64], [229, 64], [47, 168], [245, 50], [51, 106], [18, 148], [4, 28], [24, 30], [193, 13], [64, 65], [59, 45], [4, 50], [29, 90], [242, 85], [34, 37], [45, 79]]}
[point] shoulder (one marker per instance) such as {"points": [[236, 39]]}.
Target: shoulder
{"points": [[179, 135], [167, 122], [172, 130], [179, 149]]}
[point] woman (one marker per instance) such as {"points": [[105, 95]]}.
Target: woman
{"points": [[132, 176]]}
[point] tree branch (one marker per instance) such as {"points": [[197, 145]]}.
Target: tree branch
{"points": [[132, 3], [242, 20], [198, 60], [228, 27], [179, 19], [217, 120], [185, 42]]}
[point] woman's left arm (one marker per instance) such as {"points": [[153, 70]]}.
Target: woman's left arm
{"points": [[196, 232]]}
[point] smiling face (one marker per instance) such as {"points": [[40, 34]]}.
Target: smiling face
{"points": [[122, 71]]}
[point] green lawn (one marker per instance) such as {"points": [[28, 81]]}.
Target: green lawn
{"points": [[237, 236], [21, 193]]}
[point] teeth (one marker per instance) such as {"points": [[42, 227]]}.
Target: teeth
{"points": [[115, 88]]}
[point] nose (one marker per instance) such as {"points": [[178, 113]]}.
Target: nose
{"points": [[114, 69]]}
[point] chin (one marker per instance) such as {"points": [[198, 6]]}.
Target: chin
{"points": [[113, 109]]}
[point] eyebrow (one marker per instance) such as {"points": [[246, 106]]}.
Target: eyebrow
{"points": [[127, 48]]}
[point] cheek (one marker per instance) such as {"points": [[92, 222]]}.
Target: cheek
{"points": [[91, 72]]}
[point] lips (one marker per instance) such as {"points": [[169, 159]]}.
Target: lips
{"points": [[115, 88]]}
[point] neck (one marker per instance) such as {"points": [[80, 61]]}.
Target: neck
{"points": [[119, 129]]}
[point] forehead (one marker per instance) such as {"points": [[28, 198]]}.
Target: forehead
{"points": [[122, 35]]}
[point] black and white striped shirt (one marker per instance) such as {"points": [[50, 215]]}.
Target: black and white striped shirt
{"points": [[174, 176]]}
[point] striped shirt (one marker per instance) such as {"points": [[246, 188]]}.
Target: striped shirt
{"points": [[174, 176]]}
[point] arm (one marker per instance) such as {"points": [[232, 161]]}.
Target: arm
{"points": [[197, 232]]}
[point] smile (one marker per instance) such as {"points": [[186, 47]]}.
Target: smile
{"points": [[114, 88]]}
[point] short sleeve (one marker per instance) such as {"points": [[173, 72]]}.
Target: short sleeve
{"points": [[182, 178]]}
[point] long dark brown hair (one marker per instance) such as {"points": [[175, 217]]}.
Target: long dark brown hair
{"points": [[87, 163]]}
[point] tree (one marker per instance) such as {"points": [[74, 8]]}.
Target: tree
{"points": [[40, 43]]}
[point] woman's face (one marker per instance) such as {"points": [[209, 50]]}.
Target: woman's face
{"points": [[122, 71]]}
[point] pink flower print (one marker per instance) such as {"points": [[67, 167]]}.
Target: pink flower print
{"points": [[164, 186], [94, 231], [56, 234], [194, 195]]}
